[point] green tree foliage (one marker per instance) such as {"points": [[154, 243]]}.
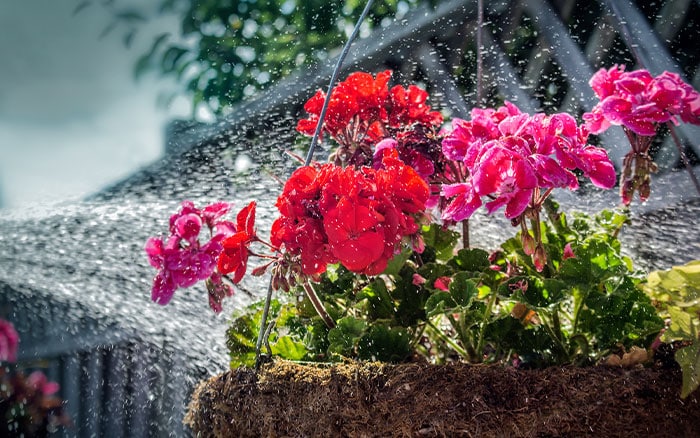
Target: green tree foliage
{"points": [[228, 50]]}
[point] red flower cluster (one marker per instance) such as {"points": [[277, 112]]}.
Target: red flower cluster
{"points": [[355, 216], [362, 111], [360, 99]]}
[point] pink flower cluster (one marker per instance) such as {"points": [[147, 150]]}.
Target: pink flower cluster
{"points": [[9, 341], [182, 260], [515, 160], [639, 101]]}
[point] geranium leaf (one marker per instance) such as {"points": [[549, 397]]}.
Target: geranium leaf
{"points": [[344, 336], [689, 360], [397, 262], [441, 240], [470, 260], [380, 303], [289, 349], [438, 302], [462, 289], [384, 344]]}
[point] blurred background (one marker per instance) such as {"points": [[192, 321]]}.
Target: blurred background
{"points": [[72, 116]]}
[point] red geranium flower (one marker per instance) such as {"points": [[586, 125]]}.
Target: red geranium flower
{"points": [[407, 106], [234, 257], [358, 99], [353, 236]]}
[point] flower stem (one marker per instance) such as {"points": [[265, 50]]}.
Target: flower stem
{"points": [[318, 305], [263, 328], [446, 339], [465, 234], [686, 163], [482, 330], [479, 54]]}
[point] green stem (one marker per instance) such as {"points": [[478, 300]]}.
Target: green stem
{"points": [[482, 329], [318, 305], [446, 339], [550, 208], [469, 348], [465, 234], [555, 337], [578, 305]]}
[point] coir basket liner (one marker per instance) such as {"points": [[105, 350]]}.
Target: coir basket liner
{"points": [[372, 399]]}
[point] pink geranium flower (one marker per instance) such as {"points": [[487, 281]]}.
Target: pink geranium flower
{"points": [[182, 259], [465, 201], [640, 102], [509, 177]]}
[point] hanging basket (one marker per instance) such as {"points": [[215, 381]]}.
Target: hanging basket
{"points": [[381, 400]]}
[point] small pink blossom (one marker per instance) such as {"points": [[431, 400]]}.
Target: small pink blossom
{"points": [[418, 280], [443, 283], [568, 252]]}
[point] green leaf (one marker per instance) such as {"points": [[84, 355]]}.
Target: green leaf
{"points": [[384, 344], [380, 304], [681, 328], [345, 335], [689, 360], [397, 262], [443, 241], [678, 286], [595, 261], [438, 302], [471, 260], [289, 349], [462, 289]]}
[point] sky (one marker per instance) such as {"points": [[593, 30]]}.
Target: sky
{"points": [[72, 117]]}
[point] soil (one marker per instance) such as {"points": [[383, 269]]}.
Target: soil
{"points": [[382, 400]]}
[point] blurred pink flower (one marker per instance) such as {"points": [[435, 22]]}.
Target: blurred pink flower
{"points": [[9, 341]]}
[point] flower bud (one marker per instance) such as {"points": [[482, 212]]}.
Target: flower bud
{"points": [[627, 192], [260, 270], [568, 252], [645, 189], [528, 243], [539, 258]]}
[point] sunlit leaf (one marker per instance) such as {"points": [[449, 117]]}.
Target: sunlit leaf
{"points": [[689, 360]]}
